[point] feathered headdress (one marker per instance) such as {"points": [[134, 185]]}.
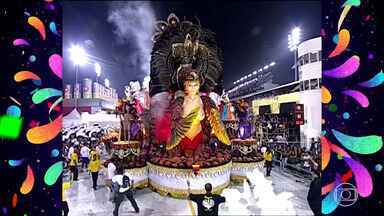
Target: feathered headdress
{"points": [[180, 47]]}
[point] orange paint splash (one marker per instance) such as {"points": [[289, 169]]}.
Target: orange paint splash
{"points": [[14, 200], [27, 185], [342, 44], [38, 25], [25, 75], [329, 187], [325, 153], [45, 133], [326, 96]]}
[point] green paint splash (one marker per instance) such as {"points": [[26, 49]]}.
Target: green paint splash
{"points": [[361, 145], [43, 94], [53, 173]]}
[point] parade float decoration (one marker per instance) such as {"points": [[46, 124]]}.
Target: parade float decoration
{"points": [[245, 156], [129, 149], [228, 116], [188, 139]]}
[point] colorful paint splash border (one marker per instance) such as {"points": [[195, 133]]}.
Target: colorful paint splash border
{"points": [[30, 110], [352, 81]]}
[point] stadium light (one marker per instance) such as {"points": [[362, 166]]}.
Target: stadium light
{"points": [[78, 55], [294, 38], [293, 41], [97, 69], [106, 82]]}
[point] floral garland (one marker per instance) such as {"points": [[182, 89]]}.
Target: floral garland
{"points": [[173, 172], [180, 193], [137, 171], [244, 142], [141, 184], [247, 166], [125, 153]]}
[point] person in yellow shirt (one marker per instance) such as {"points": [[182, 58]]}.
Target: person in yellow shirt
{"points": [[66, 186], [74, 161], [268, 161], [94, 166]]}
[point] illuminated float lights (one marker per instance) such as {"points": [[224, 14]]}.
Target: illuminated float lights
{"points": [[254, 74]]}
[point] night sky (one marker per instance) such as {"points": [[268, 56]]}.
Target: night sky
{"points": [[251, 34]]}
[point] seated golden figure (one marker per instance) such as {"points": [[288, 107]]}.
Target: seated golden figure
{"points": [[187, 129]]}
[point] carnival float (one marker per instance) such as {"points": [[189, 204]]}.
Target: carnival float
{"points": [[245, 154], [181, 136], [129, 146]]}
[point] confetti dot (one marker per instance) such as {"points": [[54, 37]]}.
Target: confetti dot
{"points": [[379, 167], [332, 108], [322, 121], [371, 56], [339, 156], [335, 38], [32, 58], [14, 111], [55, 153], [346, 115], [324, 132]]}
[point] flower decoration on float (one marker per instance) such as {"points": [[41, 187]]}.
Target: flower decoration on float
{"points": [[196, 169]]}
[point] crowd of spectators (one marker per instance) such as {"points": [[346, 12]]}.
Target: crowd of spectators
{"points": [[294, 156], [75, 138], [276, 126]]}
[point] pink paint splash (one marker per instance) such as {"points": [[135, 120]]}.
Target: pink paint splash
{"points": [[20, 42], [363, 179], [345, 70], [358, 96], [56, 64]]}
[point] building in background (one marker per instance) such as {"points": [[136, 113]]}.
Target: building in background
{"points": [[92, 98], [306, 91], [309, 68]]}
